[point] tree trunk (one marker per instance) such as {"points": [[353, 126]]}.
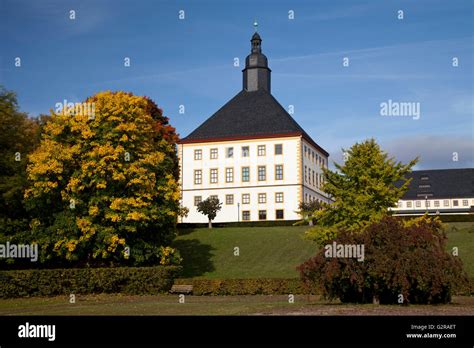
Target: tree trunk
{"points": [[210, 224]]}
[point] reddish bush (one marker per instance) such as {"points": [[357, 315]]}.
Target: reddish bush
{"points": [[407, 259]]}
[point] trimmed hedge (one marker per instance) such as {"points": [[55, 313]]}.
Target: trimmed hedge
{"points": [[264, 286], [443, 218], [51, 282], [267, 223], [457, 218]]}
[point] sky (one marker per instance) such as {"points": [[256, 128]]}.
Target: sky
{"points": [[190, 61]]}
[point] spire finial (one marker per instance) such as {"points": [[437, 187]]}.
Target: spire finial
{"points": [[255, 25]]}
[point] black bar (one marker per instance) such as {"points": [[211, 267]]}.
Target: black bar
{"points": [[260, 330]]}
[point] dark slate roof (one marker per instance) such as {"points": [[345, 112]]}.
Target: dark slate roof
{"points": [[249, 115], [443, 183]]}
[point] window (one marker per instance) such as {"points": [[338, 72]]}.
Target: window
{"points": [[197, 155], [409, 204], [229, 199], [245, 215], [314, 176], [455, 203], [262, 214], [213, 197], [213, 153], [197, 176], [279, 214], [436, 204], [418, 204], [446, 202], [465, 202], [245, 174], [279, 197], [424, 186], [305, 175], [400, 204], [245, 151], [229, 152], [279, 172], [278, 149], [262, 173], [246, 198], [213, 175], [305, 151], [229, 175], [427, 203], [197, 200], [262, 198], [261, 150], [424, 177], [305, 197]]}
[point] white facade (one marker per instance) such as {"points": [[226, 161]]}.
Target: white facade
{"points": [[434, 206], [262, 180]]}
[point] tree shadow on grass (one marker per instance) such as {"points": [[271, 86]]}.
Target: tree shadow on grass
{"points": [[196, 257]]}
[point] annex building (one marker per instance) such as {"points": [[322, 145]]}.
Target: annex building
{"points": [[438, 191]]}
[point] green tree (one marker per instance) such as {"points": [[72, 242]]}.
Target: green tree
{"points": [[209, 207], [18, 137], [103, 184], [363, 188], [307, 210]]}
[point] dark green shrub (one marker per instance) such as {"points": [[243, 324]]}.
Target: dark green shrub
{"points": [[267, 223], [269, 286], [445, 218], [50, 282], [406, 259]]}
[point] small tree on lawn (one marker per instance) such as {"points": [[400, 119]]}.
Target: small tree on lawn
{"points": [[210, 207], [307, 210], [363, 189]]}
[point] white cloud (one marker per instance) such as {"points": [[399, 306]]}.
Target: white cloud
{"points": [[434, 151]]}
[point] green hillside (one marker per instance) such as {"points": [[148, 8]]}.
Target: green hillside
{"points": [[273, 252]]}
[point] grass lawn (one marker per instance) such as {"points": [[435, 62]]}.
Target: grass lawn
{"points": [[264, 252], [461, 235], [273, 252], [117, 304]]}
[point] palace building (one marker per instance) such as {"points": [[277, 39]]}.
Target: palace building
{"points": [[251, 154]]}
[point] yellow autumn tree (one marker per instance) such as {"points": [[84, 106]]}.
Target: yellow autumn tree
{"points": [[103, 183]]}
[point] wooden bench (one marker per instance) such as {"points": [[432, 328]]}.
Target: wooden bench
{"points": [[181, 289]]}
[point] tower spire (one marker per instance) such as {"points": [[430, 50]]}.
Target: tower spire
{"points": [[256, 72]]}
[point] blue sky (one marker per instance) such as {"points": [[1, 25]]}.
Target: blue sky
{"points": [[190, 62]]}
